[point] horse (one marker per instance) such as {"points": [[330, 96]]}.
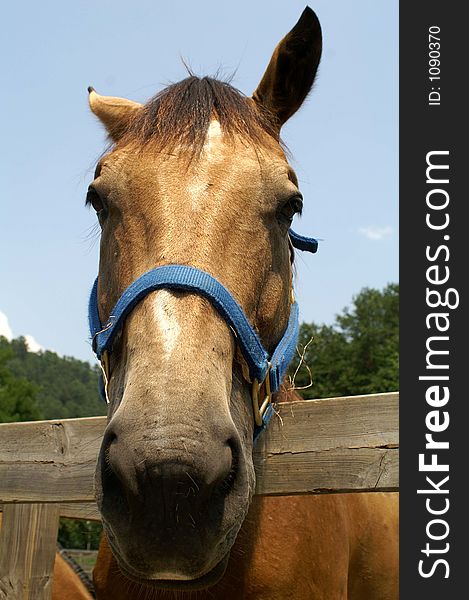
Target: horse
{"points": [[69, 582], [197, 181]]}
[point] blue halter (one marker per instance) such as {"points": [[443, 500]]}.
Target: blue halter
{"points": [[265, 371]]}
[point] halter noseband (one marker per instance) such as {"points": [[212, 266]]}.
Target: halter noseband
{"points": [[266, 371]]}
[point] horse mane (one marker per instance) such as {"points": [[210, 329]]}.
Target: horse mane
{"points": [[180, 115]]}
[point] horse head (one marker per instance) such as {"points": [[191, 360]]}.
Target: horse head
{"points": [[197, 177]]}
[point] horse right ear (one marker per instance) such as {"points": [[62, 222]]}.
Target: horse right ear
{"points": [[292, 69], [114, 113]]}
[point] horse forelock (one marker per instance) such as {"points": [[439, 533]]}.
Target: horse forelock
{"points": [[180, 115]]}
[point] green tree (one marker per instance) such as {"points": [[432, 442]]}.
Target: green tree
{"points": [[358, 354], [79, 533], [17, 395], [372, 331], [65, 387]]}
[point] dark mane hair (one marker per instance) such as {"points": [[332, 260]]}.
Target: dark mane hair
{"points": [[181, 114]]}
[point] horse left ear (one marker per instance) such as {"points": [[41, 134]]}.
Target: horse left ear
{"points": [[292, 69], [114, 113]]}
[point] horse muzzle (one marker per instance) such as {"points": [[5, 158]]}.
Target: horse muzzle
{"points": [[171, 497]]}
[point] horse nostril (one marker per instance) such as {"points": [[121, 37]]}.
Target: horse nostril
{"points": [[108, 440], [226, 484], [113, 488], [182, 484]]}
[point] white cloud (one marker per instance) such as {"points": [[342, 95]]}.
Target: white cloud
{"points": [[5, 328], [6, 331], [32, 345], [376, 233]]}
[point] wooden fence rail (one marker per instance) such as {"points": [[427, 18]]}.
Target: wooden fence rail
{"points": [[347, 444]]}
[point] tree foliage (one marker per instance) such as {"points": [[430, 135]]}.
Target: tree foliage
{"points": [[358, 354], [18, 397], [80, 533], [59, 387]]}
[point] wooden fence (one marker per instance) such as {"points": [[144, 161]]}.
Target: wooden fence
{"points": [[333, 445]]}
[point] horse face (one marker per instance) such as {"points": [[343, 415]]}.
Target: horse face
{"points": [[175, 475]]}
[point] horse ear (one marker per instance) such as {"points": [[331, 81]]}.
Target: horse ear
{"points": [[292, 69], [114, 113]]}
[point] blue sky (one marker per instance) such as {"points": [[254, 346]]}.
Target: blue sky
{"points": [[343, 141]]}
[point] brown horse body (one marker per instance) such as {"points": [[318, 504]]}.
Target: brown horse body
{"points": [[335, 547], [66, 584], [197, 177]]}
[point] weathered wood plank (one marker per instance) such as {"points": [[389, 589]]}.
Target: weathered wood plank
{"points": [[338, 470], [28, 539], [80, 510], [75, 510], [331, 445], [41, 460], [334, 444]]}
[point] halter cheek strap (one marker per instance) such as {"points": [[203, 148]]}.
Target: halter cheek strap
{"points": [[266, 371]]}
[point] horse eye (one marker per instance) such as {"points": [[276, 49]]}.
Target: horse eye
{"points": [[292, 207], [94, 199]]}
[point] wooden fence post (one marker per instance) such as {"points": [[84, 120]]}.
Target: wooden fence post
{"points": [[28, 538]]}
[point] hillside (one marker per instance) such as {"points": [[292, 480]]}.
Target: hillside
{"points": [[45, 385]]}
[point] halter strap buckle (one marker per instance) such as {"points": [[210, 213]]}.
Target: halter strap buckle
{"points": [[259, 411]]}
